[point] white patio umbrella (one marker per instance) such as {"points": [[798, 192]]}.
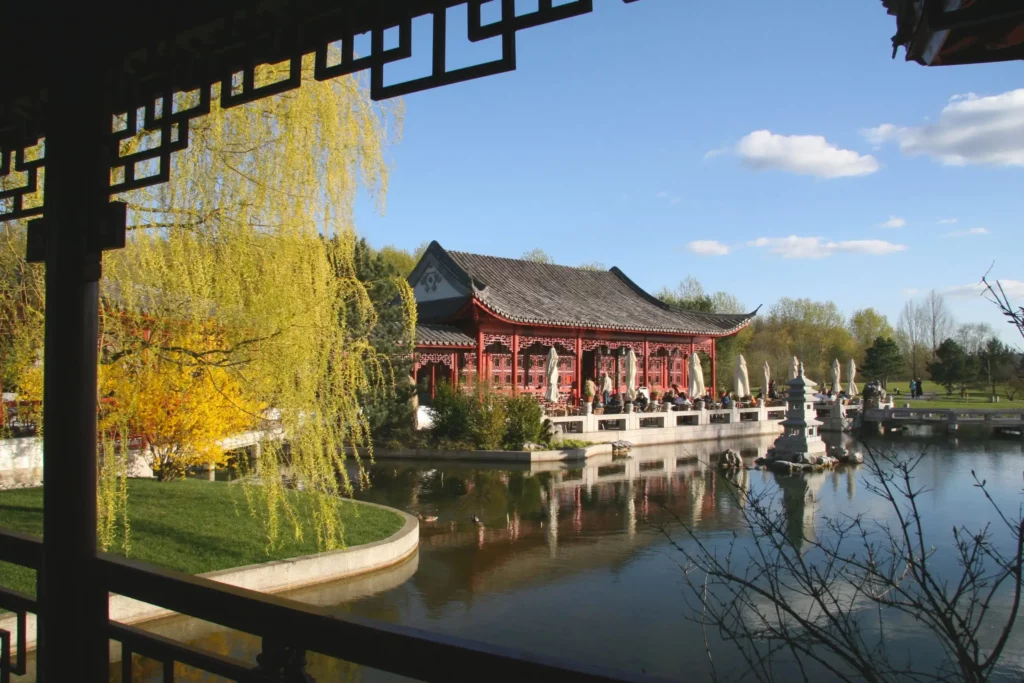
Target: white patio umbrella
{"points": [[836, 375], [742, 378], [696, 378], [794, 368], [851, 370], [767, 379], [552, 372], [631, 375]]}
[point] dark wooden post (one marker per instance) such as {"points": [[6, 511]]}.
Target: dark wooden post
{"points": [[72, 599]]}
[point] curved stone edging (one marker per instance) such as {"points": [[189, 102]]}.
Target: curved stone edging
{"points": [[278, 575]]}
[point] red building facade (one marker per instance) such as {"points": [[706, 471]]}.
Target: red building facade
{"points": [[510, 312]]}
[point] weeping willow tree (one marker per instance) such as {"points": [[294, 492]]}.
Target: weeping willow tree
{"points": [[229, 296]]}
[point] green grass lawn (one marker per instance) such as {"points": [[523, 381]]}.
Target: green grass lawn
{"points": [[936, 397], [193, 526]]}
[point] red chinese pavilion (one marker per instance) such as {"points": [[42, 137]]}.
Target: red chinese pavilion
{"points": [[510, 312]]}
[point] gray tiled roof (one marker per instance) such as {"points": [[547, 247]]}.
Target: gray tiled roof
{"points": [[546, 294], [431, 334]]}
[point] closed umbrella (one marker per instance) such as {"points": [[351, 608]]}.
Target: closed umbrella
{"points": [[767, 379], [696, 377], [552, 371], [742, 378], [794, 368], [631, 374], [851, 370], [836, 375]]}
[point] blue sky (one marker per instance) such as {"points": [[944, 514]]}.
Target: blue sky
{"points": [[761, 147]]}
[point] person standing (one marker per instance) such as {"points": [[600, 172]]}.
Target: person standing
{"points": [[606, 387], [913, 389]]}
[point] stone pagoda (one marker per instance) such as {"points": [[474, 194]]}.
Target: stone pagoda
{"points": [[802, 435]]}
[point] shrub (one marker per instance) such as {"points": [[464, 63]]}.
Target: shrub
{"points": [[454, 413], [488, 423], [523, 422]]}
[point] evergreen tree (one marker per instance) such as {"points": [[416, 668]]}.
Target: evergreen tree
{"points": [[882, 360], [953, 367], [997, 362], [388, 407]]}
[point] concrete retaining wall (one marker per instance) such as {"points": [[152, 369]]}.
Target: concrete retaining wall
{"points": [[277, 576]]}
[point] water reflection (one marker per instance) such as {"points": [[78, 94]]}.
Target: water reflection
{"points": [[574, 560]]}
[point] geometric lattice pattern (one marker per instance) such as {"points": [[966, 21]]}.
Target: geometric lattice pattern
{"points": [[21, 172], [148, 129]]}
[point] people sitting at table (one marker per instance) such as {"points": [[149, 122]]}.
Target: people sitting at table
{"points": [[726, 400], [680, 401], [640, 402]]}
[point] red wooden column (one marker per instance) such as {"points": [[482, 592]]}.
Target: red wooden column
{"points": [[616, 371], [455, 368], [714, 371], [515, 362], [480, 366], [647, 365], [579, 366], [433, 378]]}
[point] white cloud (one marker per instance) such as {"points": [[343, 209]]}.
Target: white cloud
{"points": [[947, 221], [717, 152], [708, 248], [816, 247], [662, 195], [911, 291], [894, 222], [802, 154], [969, 130], [1014, 289], [674, 201], [968, 233]]}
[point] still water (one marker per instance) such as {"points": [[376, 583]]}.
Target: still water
{"points": [[576, 562]]}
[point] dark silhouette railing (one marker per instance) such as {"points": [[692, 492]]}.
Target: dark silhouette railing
{"points": [[288, 630]]}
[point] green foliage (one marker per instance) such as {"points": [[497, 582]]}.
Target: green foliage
{"points": [[479, 417], [537, 255], [953, 367], [489, 421], [883, 360], [399, 260], [814, 331], [453, 412], [388, 407], [999, 365], [866, 325], [524, 416]]}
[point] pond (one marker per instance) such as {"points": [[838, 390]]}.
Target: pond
{"points": [[577, 561]]}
